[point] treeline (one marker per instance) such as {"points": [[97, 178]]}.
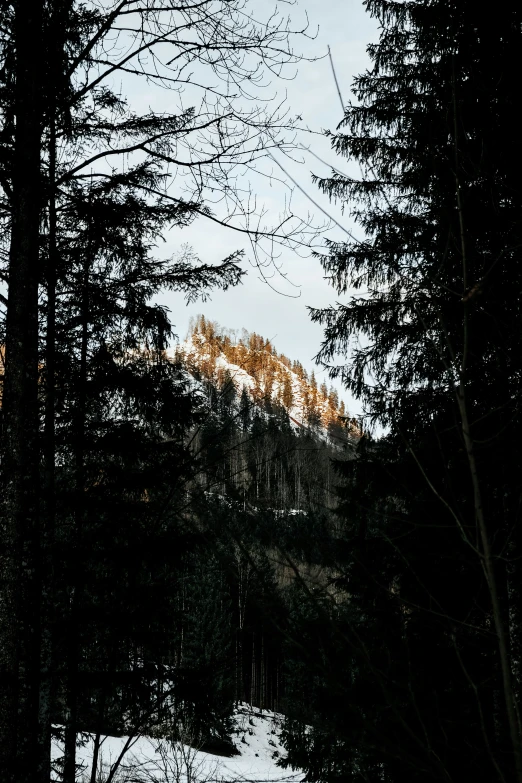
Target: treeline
{"points": [[222, 355], [253, 454]]}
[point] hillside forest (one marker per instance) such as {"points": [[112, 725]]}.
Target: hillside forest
{"points": [[187, 525]]}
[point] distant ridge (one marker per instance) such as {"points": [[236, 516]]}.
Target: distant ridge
{"points": [[252, 363]]}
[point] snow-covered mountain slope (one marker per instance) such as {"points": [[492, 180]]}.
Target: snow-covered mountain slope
{"points": [[253, 366], [150, 760]]}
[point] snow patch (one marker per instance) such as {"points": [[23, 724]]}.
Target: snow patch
{"points": [[145, 759]]}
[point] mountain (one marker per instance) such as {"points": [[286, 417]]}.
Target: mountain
{"points": [[251, 365]]}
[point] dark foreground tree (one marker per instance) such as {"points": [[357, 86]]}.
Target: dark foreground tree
{"points": [[19, 598], [68, 134], [430, 555]]}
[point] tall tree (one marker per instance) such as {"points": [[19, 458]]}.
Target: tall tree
{"points": [[70, 140], [19, 600], [433, 346]]}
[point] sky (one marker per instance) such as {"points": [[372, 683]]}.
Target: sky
{"points": [[277, 309]]}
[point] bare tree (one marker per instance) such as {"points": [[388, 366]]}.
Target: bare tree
{"points": [[68, 127]]}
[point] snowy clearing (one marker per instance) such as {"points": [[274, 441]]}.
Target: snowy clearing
{"points": [[151, 760]]}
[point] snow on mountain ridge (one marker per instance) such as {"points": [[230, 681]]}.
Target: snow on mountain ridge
{"points": [[253, 364]]}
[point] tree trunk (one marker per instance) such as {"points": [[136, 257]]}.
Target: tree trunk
{"points": [[73, 642], [500, 621], [19, 585], [48, 452]]}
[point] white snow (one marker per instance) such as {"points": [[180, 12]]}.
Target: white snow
{"points": [[152, 760], [196, 348]]}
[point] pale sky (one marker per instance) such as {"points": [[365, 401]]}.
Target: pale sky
{"points": [[347, 29]]}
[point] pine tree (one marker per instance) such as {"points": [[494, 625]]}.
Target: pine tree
{"points": [[287, 396], [436, 266], [245, 409]]}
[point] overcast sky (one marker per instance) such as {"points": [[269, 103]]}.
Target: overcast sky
{"points": [[347, 29]]}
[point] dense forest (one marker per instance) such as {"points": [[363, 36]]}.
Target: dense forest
{"points": [[189, 525]]}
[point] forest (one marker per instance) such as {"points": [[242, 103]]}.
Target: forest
{"points": [[191, 526]]}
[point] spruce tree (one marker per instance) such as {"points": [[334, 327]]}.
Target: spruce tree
{"points": [[430, 326]]}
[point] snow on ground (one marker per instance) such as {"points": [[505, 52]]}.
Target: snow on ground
{"points": [[150, 760]]}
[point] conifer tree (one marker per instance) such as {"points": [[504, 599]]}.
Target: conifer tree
{"points": [[71, 144], [430, 514], [287, 396]]}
